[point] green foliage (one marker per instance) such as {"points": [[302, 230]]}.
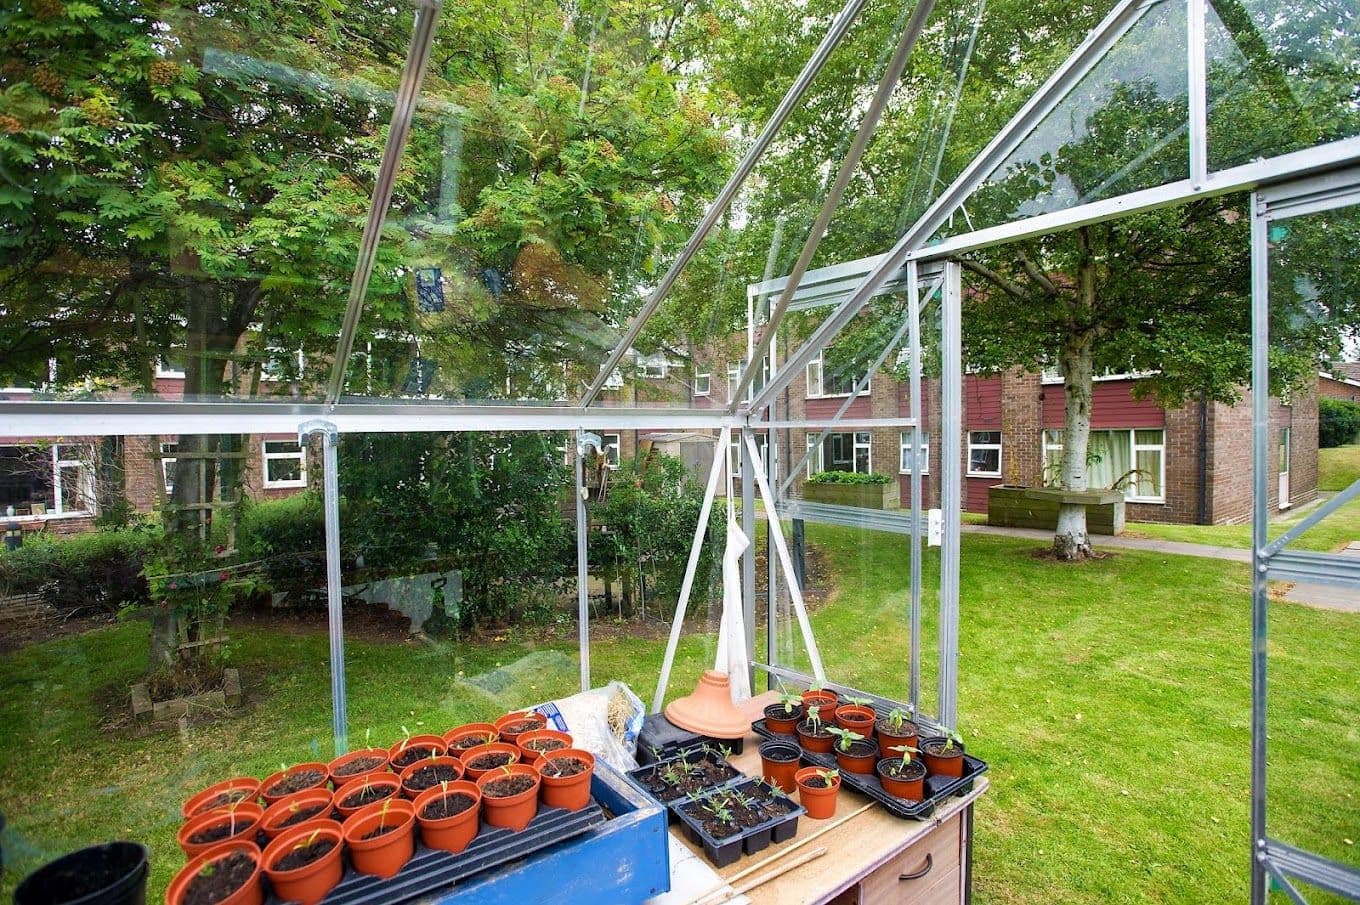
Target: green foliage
{"points": [[1338, 422], [101, 569], [287, 538], [849, 477]]}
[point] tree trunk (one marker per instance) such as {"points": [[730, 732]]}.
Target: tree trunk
{"points": [[1070, 540]]}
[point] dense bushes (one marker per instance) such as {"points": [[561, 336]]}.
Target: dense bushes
{"points": [[1338, 422], [287, 538], [102, 569], [849, 477]]}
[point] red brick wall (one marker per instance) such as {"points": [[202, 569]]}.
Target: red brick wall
{"points": [[1230, 470], [1336, 389]]}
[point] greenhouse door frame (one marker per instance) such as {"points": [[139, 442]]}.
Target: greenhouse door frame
{"points": [[1272, 859]]}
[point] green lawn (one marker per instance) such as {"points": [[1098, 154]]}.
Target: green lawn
{"points": [[1338, 468], [1111, 698], [1335, 531]]}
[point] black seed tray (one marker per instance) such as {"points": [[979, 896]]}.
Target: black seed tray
{"points": [[432, 869], [723, 852], [938, 788], [660, 739], [635, 777]]}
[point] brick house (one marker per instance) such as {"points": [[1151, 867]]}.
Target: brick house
{"points": [[1342, 382]]}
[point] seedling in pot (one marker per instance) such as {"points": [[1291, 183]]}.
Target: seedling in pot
{"points": [[951, 738], [829, 777], [907, 752], [845, 737], [790, 701], [860, 702], [814, 718], [896, 717]]}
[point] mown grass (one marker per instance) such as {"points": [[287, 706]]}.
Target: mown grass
{"points": [[1333, 533], [1111, 698], [1338, 468]]}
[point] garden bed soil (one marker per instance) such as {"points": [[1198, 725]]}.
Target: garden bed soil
{"points": [[300, 781], [412, 754], [227, 875], [491, 760], [369, 795], [304, 855], [563, 766], [424, 777], [448, 806], [356, 767], [507, 786], [301, 815]]}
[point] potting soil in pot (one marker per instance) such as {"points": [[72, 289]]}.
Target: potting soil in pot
{"points": [[295, 782], [362, 765], [222, 878], [471, 741], [216, 831], [380, 830], [670, 780], [300, 815], [725, 814], [368, 796], [545, 744], [563, 766], [221, 801], [304, 855], [411, 755], [818, 782], [491, 760], [433, 775], [508, 785], [519, 726], [448, 806]]}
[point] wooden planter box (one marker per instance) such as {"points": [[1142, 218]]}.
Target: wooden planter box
{"points": [[862, 496], [1037, 507]]}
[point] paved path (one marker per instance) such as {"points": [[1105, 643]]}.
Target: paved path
{"points": [[1178, 548], [1326, 596]]}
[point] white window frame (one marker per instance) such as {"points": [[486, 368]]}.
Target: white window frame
{"points": [[87, 480], [703, 383], [608, 443], [163, 369], [1052, 457], [614, 381], [654, 367], [166, 481], [999, 446], [859, 440], [300, 456], [904, 450], [816, 375]]}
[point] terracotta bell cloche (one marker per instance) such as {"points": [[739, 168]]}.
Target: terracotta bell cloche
{"points": [[709, 710]]}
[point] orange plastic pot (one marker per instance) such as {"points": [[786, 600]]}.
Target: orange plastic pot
{"points": [[248, 893], [241, 822], [522, 716], [888, 739], [856, 718], [450, 834], [471, 754], [940, 762], [778, 719], [288, 807], [911, 786], [442, 761], [570, 792], [511, 811], [217, 795], [779, 763], [271, 782], [308, 884], [349, 767], [815, 743], [861, 758], [820, 698], [382, 856], [400, 754], [479, 731], [530, 755], [388, 783], [819, 802]]}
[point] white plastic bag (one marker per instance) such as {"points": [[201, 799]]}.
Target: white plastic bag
{"points": [[604, 721]]}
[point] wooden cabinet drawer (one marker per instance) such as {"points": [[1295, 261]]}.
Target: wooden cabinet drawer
{"points": [[940, 852]]}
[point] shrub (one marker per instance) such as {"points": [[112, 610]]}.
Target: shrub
{"points": [[1338, 422], [849, 477], [288, 538], [101, 569]]}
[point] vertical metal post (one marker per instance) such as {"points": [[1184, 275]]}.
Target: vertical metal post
{"points": [[1198, 125], [951, 427], [582, 562], [748, 560], [771, 560], [914, 349], [1260, 413], [330, 484]]}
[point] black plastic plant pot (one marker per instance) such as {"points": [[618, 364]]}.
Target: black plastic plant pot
{"points": [[109, 874]]}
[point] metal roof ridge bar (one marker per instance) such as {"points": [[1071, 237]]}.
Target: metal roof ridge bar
{"points": [[403, 111], [1324, 873], [887, 84], [839, 28], [888, 521], [1306, 567], [1041, 103], [1317, 515]]}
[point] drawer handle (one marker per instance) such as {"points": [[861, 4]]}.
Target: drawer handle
{"points": [[930, 862]]}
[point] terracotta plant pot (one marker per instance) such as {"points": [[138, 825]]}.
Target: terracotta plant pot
{"points": [[471, 755], [455, 833], [249, 892], [820, 744], [411, 777], [530, 754], [387, 784], [571, 792], [709, 710], [827, 700], [779, 763], [384, 855], [909, 784], [417, 747], [509, 728], [358, 764], [778, 720], [940, 762], [857, 719], [223, 825], [515, 809], [221, 794], [890, 738], [297, 778], [819, 802], [479, 731], [295, 808], [861, 757], [308, 883]]}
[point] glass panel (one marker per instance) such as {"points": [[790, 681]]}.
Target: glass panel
{"points": [[1281, 77]]}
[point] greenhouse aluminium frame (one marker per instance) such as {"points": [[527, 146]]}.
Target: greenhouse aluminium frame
{"points": [[1319, 178]]}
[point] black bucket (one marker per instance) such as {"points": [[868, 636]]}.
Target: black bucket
{"points": [[109, 874]]}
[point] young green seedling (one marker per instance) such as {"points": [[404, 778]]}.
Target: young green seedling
{"points": [[307, 843], [951, 738], [790, 701], [860, 702], [814, 718], [896, 717], [830, 776], [907, 751], [847, 737], [405, 738]]}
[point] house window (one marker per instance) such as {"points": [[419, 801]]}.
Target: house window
{"points": [[611, 449], [821, 384], [734, 453], [841, 452], [984, 454], [1132, 460], [655, 367], [757, 382], [73, 484], [168, 466], [702, 384], [615, 380], [285, 464], [923, 453], [170, 364]]}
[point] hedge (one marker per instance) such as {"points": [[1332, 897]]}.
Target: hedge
{"points": [[101, 569], [1338, 422], [849, 477]]}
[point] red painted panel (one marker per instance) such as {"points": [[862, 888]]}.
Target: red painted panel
{"points": [[982, 402], [827, 408], [975, 493], [1112, 406], [904, 400]]}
